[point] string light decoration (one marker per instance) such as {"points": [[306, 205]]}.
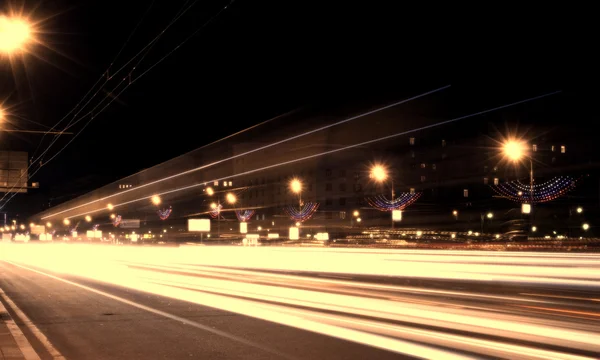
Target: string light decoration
{"points": [[117, 220], [214, 213], [244, 215], [164, 214], [519, 192], [381, 203], [95, 227], [306, 211]]}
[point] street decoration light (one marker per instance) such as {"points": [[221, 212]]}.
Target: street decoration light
{"points": [[304, 211], [16, 33], [216, 207]]}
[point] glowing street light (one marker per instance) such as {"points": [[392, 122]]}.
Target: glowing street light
{"points": [[49, 224], [210, 191], [379, 173], [585, 226], [15, 34], [231, 198], [22, 227], [66, 221], [533, 228], [113, 216], [295, 186], [355, 213], [213, 206], [31, 224], [579, 210], [514, 150], [156, 200], [110, 207], [490, 215], [455, 212], [88, 218]]}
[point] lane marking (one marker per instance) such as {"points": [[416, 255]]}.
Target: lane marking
{"points": [[156, 311], [18, 335]]}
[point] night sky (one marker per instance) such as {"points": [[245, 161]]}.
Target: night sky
{"points": [[260, 59]]}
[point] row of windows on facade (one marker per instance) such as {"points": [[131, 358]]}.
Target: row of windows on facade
{"points": [[125, 186], [412, 141], [563, 148]]}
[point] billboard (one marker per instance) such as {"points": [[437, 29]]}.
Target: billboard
{"points": [[199, 225], [13, 171], [130, 224]]}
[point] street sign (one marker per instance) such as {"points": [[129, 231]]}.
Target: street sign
{"points": [[199, 225]]}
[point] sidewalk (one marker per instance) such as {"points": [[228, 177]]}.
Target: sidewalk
{"points": [[9, 335]]}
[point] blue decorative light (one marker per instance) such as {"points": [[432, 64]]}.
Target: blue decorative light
{"points": [[306, 211], [117, 220], [548, 191], [163, 214], [244, 215], [403, 200]]}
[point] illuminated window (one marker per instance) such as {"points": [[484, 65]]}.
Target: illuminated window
{"points": [[552, 148], [230, 183], [534, 147], [342, 214], [411, 140], [224, 183], [495, 168], [423, 165], [563, 149], [466, 192], [412, 190], [496, 181], [485, 181]]}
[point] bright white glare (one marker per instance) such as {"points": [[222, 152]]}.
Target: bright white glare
{"points": [[231, 198], [210, 191], [66, 221], [15, 34], [156, 200], [585, 226], [110, 206], [514, 150], [379, 173], [88, 218], [490, 215], [295, 186]]}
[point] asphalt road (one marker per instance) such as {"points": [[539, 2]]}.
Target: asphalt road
{"points": [[82, 324], [232, 302]]}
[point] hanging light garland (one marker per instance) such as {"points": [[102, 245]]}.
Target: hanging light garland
{"points": [[164, 213], [117, 220], [244, 215], [95, 227], [547, 191], [381, 203], [214, 213], [304, 213]]}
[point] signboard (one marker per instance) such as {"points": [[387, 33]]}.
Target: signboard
{"points": [[13, 171], [243, 227], [199, 225], [397, 215], [130, 224], [89, 234], [273, 235], [38, 229], [98, 234], [294, 233]]}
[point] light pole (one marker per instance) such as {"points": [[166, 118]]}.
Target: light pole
{"points": [[515, 151], [379, 173], [296, 188], [15, 34], [229, 198], [355, 214]]}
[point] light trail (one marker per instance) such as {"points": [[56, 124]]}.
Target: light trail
{"points": [[251, 151], [268, 167], [421, 320]]}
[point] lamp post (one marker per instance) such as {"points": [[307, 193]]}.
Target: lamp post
{"points": [[229, 198], [296, 188], [515, 151], [379, 173]]}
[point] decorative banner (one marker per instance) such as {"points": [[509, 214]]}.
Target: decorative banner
{"points": [[164, 213], [244, 215], [381, 203], [304, 213], [214, 213], [117, 220], [95, 227], [548, 191]]}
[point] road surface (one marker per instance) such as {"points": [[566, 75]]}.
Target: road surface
{"points": [[107, 302]]}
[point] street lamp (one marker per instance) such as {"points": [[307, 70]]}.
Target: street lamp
{"points": [[66, 222], [379, 173], [15, 34], [514, 150], [110, 207], [229, 197], [296, 188], [585, 226], [49, 224], [88, 218], [156, 200]]}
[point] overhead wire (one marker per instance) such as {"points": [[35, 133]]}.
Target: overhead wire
{"points": [[33, 160], [113, 98]]}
